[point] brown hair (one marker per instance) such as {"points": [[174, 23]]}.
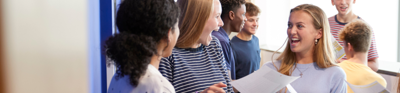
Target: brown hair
{"points": [[323, 51], [194, 15], [251, 9], [358, 34]]}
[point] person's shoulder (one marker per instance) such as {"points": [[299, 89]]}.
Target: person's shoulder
{"points": [[336, 71], [335, 68], [215, 40], [343, 64], [272, 64], [216, 33], [255, 37], [215, 44], [120, 84], [332, 18], [234, 40], [153, 82]]}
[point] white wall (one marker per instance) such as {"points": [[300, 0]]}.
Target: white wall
{"points": [[46, 46]]}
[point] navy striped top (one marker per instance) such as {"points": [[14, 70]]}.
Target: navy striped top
{"points": [[191, 70]]}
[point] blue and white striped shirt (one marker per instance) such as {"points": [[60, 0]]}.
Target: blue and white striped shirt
{"points": [[191, 70]]}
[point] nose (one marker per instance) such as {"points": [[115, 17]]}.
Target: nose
{"points": [[220, 22], [342, 2], [292, 31]]}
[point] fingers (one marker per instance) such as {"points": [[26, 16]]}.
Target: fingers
{"points": [[339, 60], [220, 84], [214, 89]]}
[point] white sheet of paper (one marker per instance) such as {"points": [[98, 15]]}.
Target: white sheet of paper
{"points": [[374, 87], [264, 80], [339, 50], [290, 89]]}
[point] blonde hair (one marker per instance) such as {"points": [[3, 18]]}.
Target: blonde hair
{"points": [[195, 14], [323, 52]]}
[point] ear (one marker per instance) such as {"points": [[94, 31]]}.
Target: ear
{"points": [[169, 36], [319, 34], [333, 2], [354, 2], [349, 47], [231, 15]]}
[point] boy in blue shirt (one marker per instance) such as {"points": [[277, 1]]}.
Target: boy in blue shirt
{"points": [[245, 45]]}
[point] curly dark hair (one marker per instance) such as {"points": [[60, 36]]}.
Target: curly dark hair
{"points": [[142, 24], [230, 5]]}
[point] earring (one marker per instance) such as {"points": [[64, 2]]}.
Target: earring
{"points": [[316, 41]]}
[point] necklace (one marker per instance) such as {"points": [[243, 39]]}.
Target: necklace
{"points": [[301, 72]]}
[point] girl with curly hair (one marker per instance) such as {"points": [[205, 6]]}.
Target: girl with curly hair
{"points": [[148, 31]]}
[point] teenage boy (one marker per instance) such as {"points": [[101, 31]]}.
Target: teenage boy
{"points": [[357, 39], [345, 15], [245, 45], [233, 16]]}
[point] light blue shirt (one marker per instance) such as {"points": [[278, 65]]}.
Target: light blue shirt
{"points": [[315, 79]]}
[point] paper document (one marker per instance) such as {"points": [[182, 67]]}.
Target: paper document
{"points": [[374, 87], [338, 49], [264, 80], [290, 89]]}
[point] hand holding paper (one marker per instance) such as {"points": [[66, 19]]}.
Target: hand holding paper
{"points": [[264, 80]]}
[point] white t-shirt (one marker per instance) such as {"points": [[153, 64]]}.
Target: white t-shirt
{"points": [[151, 82]]}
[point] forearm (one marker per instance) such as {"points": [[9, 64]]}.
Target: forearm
{"points": [[373, 64]]}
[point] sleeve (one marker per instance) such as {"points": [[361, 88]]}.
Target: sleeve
{"points": [[339, 84], [227, 53], [372, 52], [274, 66], [236, 63], [225, 48], [166, 68], [224, 69]]}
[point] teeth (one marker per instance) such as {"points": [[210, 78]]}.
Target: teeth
{"points": [[295, 39]]}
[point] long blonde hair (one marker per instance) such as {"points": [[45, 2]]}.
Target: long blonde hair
{"points": [[323, 51], [195, 14]]}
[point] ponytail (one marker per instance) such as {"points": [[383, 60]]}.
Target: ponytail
{"points": [[131, 54]]}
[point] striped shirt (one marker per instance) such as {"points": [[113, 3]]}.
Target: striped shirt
{"points": [[193, 70], [336, 26]]}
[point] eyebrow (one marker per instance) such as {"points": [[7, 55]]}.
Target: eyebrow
{"points": [[298, 22]]}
